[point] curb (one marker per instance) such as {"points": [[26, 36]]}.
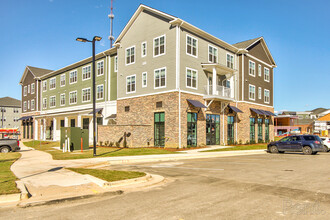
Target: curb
{"points": [[10, 198]]}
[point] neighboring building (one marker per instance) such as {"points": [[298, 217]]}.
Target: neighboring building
{"points": [[10, 112], [31, 104], [322, 125], [285, 124], [169, 84]]}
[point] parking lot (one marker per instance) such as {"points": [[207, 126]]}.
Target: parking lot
{"points": [[272, 186]]}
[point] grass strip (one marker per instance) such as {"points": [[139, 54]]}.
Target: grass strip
{"points": [[7, 178], [109, 175], [242, 147]]}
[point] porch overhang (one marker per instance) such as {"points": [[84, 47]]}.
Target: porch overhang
{"points": [[221, 69], [217, 98]]}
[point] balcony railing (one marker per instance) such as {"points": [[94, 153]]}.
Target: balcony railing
{"points": [[221, 92]]}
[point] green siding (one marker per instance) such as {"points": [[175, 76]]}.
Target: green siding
{"points": [[113, 80]]}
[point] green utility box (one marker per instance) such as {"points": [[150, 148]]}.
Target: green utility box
{"points": [[76, 136]]}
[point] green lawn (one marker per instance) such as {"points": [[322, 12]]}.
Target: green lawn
{"points": [[47, 146], [109, 175], [242, 147], [7, 178]]}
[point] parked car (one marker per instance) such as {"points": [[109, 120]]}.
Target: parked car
{"points": [[308, 144], [326, 143], [7, 145]]}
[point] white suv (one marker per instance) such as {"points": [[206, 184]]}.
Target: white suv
{"points": [[326, 143]]}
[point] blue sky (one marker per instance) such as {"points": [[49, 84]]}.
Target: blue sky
{"points": [[42, 33]]}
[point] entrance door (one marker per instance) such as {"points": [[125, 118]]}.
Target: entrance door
{"points": [[85, 123], [212, 129], [159, 129]]}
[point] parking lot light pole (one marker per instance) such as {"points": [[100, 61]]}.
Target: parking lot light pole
{"points": [[95, 38]]}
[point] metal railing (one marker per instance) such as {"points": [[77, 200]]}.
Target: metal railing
{"points": [[221, 91]]}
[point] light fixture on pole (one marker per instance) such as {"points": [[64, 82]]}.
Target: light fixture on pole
{"points": [[96, 38]]}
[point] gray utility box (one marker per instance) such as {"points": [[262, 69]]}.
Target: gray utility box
{"points": [[77, 136]]}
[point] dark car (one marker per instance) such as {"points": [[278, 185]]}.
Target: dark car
{"points": [[7, 145], [308, 144]]}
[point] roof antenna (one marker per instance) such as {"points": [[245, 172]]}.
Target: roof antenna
{"points": [[111, 16]]}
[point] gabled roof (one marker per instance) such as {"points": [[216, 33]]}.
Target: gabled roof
{"points": [[246, 45], [318, 110], [36, 72], [175, 21], [10, 102], [325, 118]]}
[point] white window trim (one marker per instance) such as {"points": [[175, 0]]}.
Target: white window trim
{"points": [[265, 74], [43, 88], [265, 96], [43, 103], [145, 42], [28, 104], [190, 87], [233, 59], [24, 106], [103, 92], [254, 92], [143, 86], [259, 92], [64, 80], [187, 35], [259, 70], [25, 90], [135, 84], [116, 63], [82, 94], [153, 42], [76, 97], [82, 73], [50, 84], [61, 99], [97, 70], [34, 104], [70, 74], [160, 87], [254, 68], [208, 51], [127, 64], [34, 88], [50, 101]]}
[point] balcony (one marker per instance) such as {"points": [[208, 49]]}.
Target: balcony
{"points": [[221, 93]]}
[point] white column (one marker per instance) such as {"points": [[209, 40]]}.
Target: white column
{"points": [[214, 81], [44, 130], [54, 129], [36, 129], [232, 86], [91, 130], [79, 121], [66, 122]]}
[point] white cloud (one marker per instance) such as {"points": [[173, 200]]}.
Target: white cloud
{"points": [[102, 43], [51, 0]]}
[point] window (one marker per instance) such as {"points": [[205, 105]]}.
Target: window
{"points": [[159, 129], [25, 90], [28, 104], [28, 88], [32, 104], [159, 46], [160, 78], [52, 101], [73, 76], [73, 97], [62, 123], [266, 96], [259, 92], [230, 61], [252, 68], [259, 70], [126, 108], [100, 68], [32, 88], [144, 49], [230, 129], [52, 83], [62, 80], [116, 63], [213, 54], [99, 92], [159, 104], [24, 106], [191, 46], [252, 92], [44, 85], [252, 130], [130, 84], [191, 78], [62, 99], [86, 95], [86, 72], [266, 130], [144, 79], [130, 55], [260, 130], [44, 103], [266, 74], [191, 129]]}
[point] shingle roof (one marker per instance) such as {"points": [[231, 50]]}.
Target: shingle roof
{"points": [[318, 110], [38, 72], [325, 118], [245, 44], [9, 101]]}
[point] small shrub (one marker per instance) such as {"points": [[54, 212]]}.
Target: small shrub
{"points": [[106, 143], [247, 142], [240, 142], [117, 144], [235, 143], [101, 143], [110, 144]]}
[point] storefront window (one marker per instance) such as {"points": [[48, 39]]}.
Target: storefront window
{"points": [[230, 129], [252, 130], [260, 129], [192, 129]]}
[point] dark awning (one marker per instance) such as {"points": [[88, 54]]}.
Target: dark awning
{"points": [[234, 109], [113, 116], [257, 111], [270, 113], [196, 103], [25, 118], [264, 112], [98, 110]]}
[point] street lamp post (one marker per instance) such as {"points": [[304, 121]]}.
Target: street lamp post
{"points": [[95, 38]]}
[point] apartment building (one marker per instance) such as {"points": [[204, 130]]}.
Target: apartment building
{"points": [[167, 83], [10, 112]]}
